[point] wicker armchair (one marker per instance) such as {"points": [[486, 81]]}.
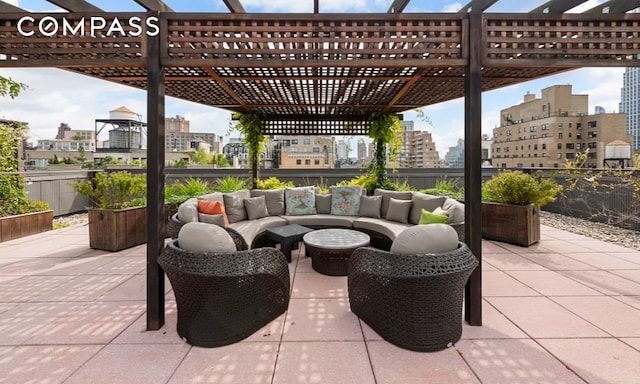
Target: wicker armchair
{"points": [[223, 298], [174, 225], [412, 301]]}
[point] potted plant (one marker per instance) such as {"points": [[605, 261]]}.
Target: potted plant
{"points": [[118, 219], [511, 206]]}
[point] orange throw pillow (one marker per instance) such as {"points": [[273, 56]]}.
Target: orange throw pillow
{"points": [[212, 208]]}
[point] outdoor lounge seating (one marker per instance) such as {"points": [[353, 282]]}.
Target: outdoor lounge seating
{"points": [[224, 297], [368, 214], [411, 300]]}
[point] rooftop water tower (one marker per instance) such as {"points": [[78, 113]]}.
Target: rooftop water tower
{"points": [[617, 154]]}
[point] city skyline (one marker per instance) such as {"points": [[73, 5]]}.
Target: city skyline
{"points": [[55, 96]]}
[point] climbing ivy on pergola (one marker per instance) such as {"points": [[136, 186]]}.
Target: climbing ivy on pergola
{"points": [[315, 73]]}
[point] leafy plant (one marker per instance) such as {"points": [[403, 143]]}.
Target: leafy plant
{"points": [[230, 184], [252, 126], [181, 191], [10, 87], [517, 188], [385, 129], [114, 190], [273, 183], [13, 195], [446, 187]]}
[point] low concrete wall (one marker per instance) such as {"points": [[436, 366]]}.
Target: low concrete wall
{"points": [[54, 187]]}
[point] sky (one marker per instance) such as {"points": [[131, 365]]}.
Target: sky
{"points": [[55, 96]]}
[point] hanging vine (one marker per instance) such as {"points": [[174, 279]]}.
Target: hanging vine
{"points": [[385, 131], [252, 126]]}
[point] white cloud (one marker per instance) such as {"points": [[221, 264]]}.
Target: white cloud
{"points": [[453, 7], [603, 86]]}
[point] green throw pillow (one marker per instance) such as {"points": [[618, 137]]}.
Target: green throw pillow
{"points": [[432, 218]]}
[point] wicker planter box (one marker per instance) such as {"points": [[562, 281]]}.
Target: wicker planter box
{"points": [[117, 229], [514, 224], [13, 227]]}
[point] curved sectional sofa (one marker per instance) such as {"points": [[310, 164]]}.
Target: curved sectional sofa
{"points": [[382, 216]]}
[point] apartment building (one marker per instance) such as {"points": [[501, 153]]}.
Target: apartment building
{"points": [[418, 150], [549, 131], [306, 152], [630, 102]]}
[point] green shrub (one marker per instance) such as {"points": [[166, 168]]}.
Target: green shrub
{"points": [[519, 188], [446, 187], [13, 195], [115, 190], [230, 184], [273, 183], [180, 192]]}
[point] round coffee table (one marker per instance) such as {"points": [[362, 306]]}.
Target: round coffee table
{"points": [[330, 249]]}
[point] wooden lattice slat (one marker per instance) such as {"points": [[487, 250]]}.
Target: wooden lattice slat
{"points": [[564, 41]]}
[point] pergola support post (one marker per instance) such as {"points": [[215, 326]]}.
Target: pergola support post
{"points": [[155, 181], [473, 165]]}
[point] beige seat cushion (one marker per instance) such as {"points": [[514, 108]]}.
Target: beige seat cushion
{"points": [[390, 229], [322, 220], [432, 238], [203, 237]]}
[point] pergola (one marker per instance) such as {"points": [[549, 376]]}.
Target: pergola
{"points": [[317, 73]]}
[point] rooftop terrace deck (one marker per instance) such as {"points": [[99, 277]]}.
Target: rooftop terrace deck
{"points": [[563, 311]]}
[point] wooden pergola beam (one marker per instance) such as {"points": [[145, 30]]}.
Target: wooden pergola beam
{"points": [[615, 7], [398, 6], [234, 6], [8, 8], [226, 87], [76, 5], [478, 6], [154, 5], [557, 6]]}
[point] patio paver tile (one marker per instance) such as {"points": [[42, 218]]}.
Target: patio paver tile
{"points": [[541, 317], [323, 362], [494, 326], [498, 283], [131, 363], [597, 361], [599, 310], [91, 323], [634, 342], [393, 365], [27, 288], [137, 332], [604, 282], [315, 285], [124, 265], [633, 275], [550, 283], [633, 257], [43, 364], [602, 246], [633, 301], [558, 262], [84, 288], [514, 361], [24, 321], [237, 363], [603, 260], [511, 262], [321, 320], [562, 246]]}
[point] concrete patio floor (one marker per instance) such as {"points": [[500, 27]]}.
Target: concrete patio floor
{"points": [[566, 310]]}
